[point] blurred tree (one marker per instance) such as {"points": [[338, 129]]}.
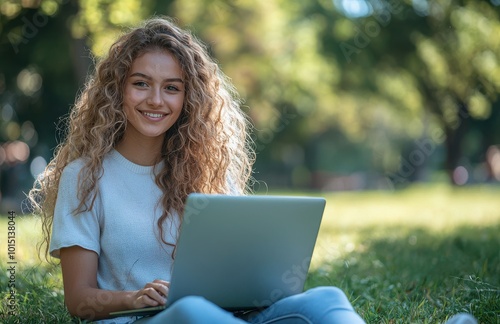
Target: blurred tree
{"points": [[272, 53], [320, 76], [459, 69], [434, 61], [37, 85]]}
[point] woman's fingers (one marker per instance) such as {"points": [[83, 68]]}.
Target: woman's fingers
{"points": [[157, 291], [153, 294], [147, 300], [161, 286], [163, 282]]}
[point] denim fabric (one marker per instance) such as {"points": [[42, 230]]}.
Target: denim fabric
{"points": [[318, 305]]}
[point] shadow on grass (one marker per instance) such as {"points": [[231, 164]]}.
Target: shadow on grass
{"points": [[398, 275]]}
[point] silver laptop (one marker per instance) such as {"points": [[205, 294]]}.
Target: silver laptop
{"points": [[243, 252]]}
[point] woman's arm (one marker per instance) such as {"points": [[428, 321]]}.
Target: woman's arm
{"points": [[85, 300]]}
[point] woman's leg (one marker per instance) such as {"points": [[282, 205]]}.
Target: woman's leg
{"points": [[318, 305], [462, 318], [190, 310]]}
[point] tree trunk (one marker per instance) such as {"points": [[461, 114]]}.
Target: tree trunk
{"points": [[455, 134]]}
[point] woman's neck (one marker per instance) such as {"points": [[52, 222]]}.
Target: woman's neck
{"points": [[140, 152]]}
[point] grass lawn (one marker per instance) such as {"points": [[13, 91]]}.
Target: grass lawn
{"points": [[414, 256]]}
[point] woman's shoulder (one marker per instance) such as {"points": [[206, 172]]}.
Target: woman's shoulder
{"points": [[75, 166], [80, 163], [71, 171]]}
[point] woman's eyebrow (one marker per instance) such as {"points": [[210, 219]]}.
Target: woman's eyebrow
{"points": [[147, 77]]}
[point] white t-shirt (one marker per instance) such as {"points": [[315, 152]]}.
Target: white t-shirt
{"points": [[121, 227]]}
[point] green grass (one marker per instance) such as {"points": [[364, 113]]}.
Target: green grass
{"points": [[416, 256], [39, 296], [413, 256]]}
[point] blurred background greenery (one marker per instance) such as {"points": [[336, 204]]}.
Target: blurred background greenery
{"points": [[344, 94]]}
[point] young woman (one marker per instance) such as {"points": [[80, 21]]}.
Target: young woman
{"points": [[158, 120]]}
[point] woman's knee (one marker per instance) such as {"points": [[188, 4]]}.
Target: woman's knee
{"points": [[332, 295], [189, 308], [318, 298], [316, 305], [336, 307], [194, 309], [187, 304]]}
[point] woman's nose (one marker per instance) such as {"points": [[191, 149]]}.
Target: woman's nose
{"points": [[155, 98]]}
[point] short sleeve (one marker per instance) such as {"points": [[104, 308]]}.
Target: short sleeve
{"points": [[70, 228]]}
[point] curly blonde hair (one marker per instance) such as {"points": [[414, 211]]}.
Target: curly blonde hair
{"points": [[208, 145]]}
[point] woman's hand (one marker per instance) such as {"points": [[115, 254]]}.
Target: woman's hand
{"points": [[153, 294]]}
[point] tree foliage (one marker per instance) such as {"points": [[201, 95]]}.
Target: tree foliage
{"points": [[432, 66], [329, 86]]}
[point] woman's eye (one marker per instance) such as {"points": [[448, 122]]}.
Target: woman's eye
{"points": [[172, 88], [140, 84]]}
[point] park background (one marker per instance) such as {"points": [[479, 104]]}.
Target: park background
{"points": [[389, 108]]}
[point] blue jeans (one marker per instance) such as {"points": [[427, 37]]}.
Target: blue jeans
{"points": [[318, 305]]}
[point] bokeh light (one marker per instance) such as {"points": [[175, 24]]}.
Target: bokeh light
{"points": [[37, 166], [7, 112], [29, 81], [460, 175], [354, 8], [493, 160], [16, 152]]}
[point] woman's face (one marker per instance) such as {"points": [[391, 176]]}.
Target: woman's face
{"points": [[153, 96]]}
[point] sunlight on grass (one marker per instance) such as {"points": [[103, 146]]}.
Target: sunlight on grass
{"points": [[38, 284], [28, 234], [435, 209], [418, 255]]}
